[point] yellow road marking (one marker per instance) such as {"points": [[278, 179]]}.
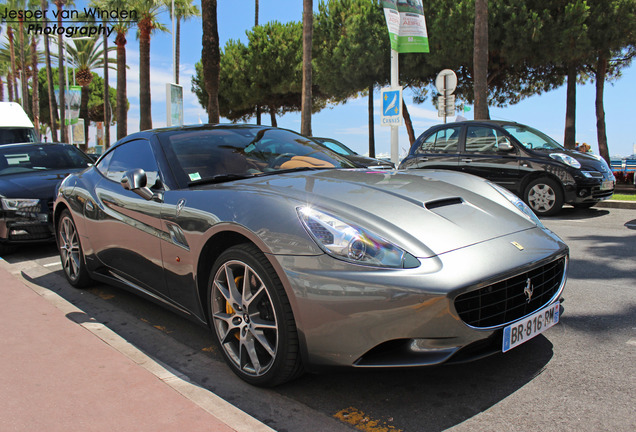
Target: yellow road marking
{"points": [[360, 421]]}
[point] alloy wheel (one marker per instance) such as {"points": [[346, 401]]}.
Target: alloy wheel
{"points": [[244, 318]]}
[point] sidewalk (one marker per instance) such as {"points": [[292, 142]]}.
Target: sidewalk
{"points": [[57, 375]]}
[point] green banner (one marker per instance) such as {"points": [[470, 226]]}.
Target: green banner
{"points": [[407, 26]]}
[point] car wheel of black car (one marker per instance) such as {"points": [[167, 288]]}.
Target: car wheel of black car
{"points": [[544, 196], [252, 318], [71, 252]]}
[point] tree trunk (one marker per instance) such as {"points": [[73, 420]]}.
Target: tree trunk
{"points": [[35, 85], [122, 107], [308, 24], [601, 71], [569, 140], [106, 99], [9, 86], [13, 93], [371, 125], [49, 83], [23, 73], [84, 115], [272, 116], [211, 58], [60, 60], [408, 123], [145, 109], [1, 90], [480, 60]]}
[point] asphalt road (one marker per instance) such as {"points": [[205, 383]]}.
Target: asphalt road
{"points": [[578, 376]]}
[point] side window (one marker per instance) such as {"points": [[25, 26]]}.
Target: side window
{"points": [[480, 139], [102, 166], [133, 155], [442, 141]]}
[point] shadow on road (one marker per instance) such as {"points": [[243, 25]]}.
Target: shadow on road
{"points": [[407, 399]]}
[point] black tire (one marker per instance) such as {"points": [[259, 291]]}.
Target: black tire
{"points": [[544, 196], [585, 205], [71, 253], [252, 318]]}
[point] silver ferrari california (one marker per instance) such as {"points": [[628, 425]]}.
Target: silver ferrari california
{"points": [[297, 260]]}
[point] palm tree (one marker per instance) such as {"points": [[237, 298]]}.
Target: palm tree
{"points": [[308, 25], [49, 80], [148, 11], [211, 58], [86, 55], [60, 58], [183, 10], [4, 70], [13, 89], [121, 28]]}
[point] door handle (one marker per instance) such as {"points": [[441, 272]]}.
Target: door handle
{"points": [[468, 160]]}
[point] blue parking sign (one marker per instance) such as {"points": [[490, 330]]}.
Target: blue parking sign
{"points": [[391, 107]]}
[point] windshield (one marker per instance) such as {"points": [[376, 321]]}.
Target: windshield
{"points": [[228, 153], [532, 139], [17, 159]]}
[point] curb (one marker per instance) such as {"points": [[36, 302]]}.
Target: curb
{"points": [[617, 204]]}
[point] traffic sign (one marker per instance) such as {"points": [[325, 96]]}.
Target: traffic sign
{"points": [[446, 82], [391, 106]]}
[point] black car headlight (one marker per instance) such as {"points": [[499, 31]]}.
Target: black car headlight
{"points": [[353, 243], [20, 204], [566, 159]]}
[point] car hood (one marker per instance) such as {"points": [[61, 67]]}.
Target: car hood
{"points": [[426, 212], [39, 185]]}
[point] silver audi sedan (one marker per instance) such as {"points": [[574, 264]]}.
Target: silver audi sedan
{"points": [[297, 260]]}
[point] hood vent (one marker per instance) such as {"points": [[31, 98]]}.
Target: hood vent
{"points": [[443, 203]]}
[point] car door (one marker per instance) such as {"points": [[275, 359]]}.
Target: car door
{"points": [[124, 228], [487, 152], [438, 150]]}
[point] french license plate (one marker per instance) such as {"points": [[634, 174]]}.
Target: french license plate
{"points": [[522, 331], [609, 184]]}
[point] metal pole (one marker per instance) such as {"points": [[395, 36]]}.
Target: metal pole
{"points": [[394, 128]]}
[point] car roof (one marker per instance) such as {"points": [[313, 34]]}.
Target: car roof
{"points": [[32, 144], [472, 122]]}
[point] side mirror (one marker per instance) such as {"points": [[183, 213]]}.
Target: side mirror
{"points": [[136, 181], [504, 145]]}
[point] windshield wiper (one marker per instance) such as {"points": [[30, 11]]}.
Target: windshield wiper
{"points": [[220, 178]]}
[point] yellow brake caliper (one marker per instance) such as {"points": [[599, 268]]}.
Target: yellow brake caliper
{"points": [[228, 308]]}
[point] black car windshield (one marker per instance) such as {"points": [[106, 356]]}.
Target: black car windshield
{"points": [[532, 139], [26, 158], [231, 153]]}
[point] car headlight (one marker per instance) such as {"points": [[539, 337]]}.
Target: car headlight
{"points": [[19, 203], [352, 243], [518, 202], [566, 159]]}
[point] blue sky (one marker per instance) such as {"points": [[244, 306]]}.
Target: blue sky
{"points": [[348, 122]]}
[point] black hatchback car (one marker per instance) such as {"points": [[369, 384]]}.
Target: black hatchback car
{"points": [[29, 175], [521, 159]]}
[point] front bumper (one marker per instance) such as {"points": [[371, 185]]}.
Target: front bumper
{"points": [[351, 315], [587, 190], [22, 227]]}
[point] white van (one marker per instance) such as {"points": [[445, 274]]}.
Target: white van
{"points": [[15, 125]]}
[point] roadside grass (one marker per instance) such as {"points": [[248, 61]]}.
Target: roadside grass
{"points": [[624, 197]]}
